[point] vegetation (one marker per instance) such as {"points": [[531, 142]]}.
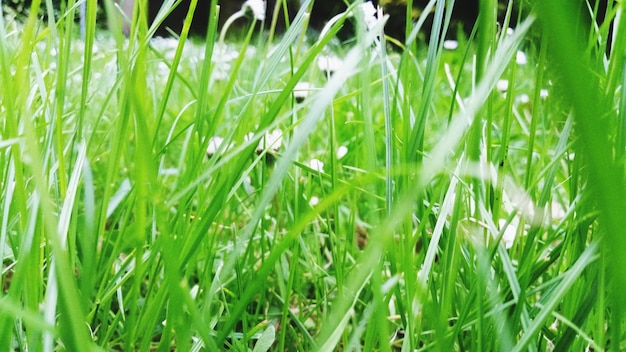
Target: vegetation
{"points": [[414, 198]]}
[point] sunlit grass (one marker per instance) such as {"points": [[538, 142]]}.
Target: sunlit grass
{"points": [[420, 198]]}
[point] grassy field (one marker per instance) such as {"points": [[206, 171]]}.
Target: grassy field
{"points": [[411, 198]]}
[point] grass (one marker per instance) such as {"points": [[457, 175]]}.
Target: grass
{"points": [[477, 203]]}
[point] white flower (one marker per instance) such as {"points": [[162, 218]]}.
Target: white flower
{"points": [[520, 58], [329, 64], [450, 44], [316, 165], [502, 85], [193, 292], [510, 232], [257, 7], [342, 151], [369, 13], [543, 93], [523, 99], [271, 141], [315, 200], [302, 90], [214, 145]]}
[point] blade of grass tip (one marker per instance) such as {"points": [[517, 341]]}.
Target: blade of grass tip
{"points": [[89, 36], [486, 34], [274, 21], [415, 136], [63, 63], [115, 24], [606, 177], [408, 19], [205, 72], [169, 84], [165, 10]]}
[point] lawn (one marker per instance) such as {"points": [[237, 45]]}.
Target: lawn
{"points": [[299, 192]]}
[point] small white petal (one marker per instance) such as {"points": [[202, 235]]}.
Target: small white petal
{"points": [[523, 99], [193, 292], [510, 232], [368, 9], [520, 58], [257, 7], [316, 165], [369, 13], [272, 141], [450, 44], [214, 145], [502, 85], [314, 201], [302, 90], [543, 93], [329, 64], [571, 156], [342, 151]]}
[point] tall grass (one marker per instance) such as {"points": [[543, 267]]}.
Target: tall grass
{"points": [[475, 205]]}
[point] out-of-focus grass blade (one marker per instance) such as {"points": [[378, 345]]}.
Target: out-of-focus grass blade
{"points": [[582, 88]]}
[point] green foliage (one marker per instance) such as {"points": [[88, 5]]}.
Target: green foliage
{"points": [[476, 203]]}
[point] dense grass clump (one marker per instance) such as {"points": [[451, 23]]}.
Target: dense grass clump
{"points": [[209, 194]]}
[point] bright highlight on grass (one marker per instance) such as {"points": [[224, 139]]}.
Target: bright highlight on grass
{"points": [[293, 194]]}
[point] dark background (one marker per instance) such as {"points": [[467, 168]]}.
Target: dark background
{"points": [[464, 14]]}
